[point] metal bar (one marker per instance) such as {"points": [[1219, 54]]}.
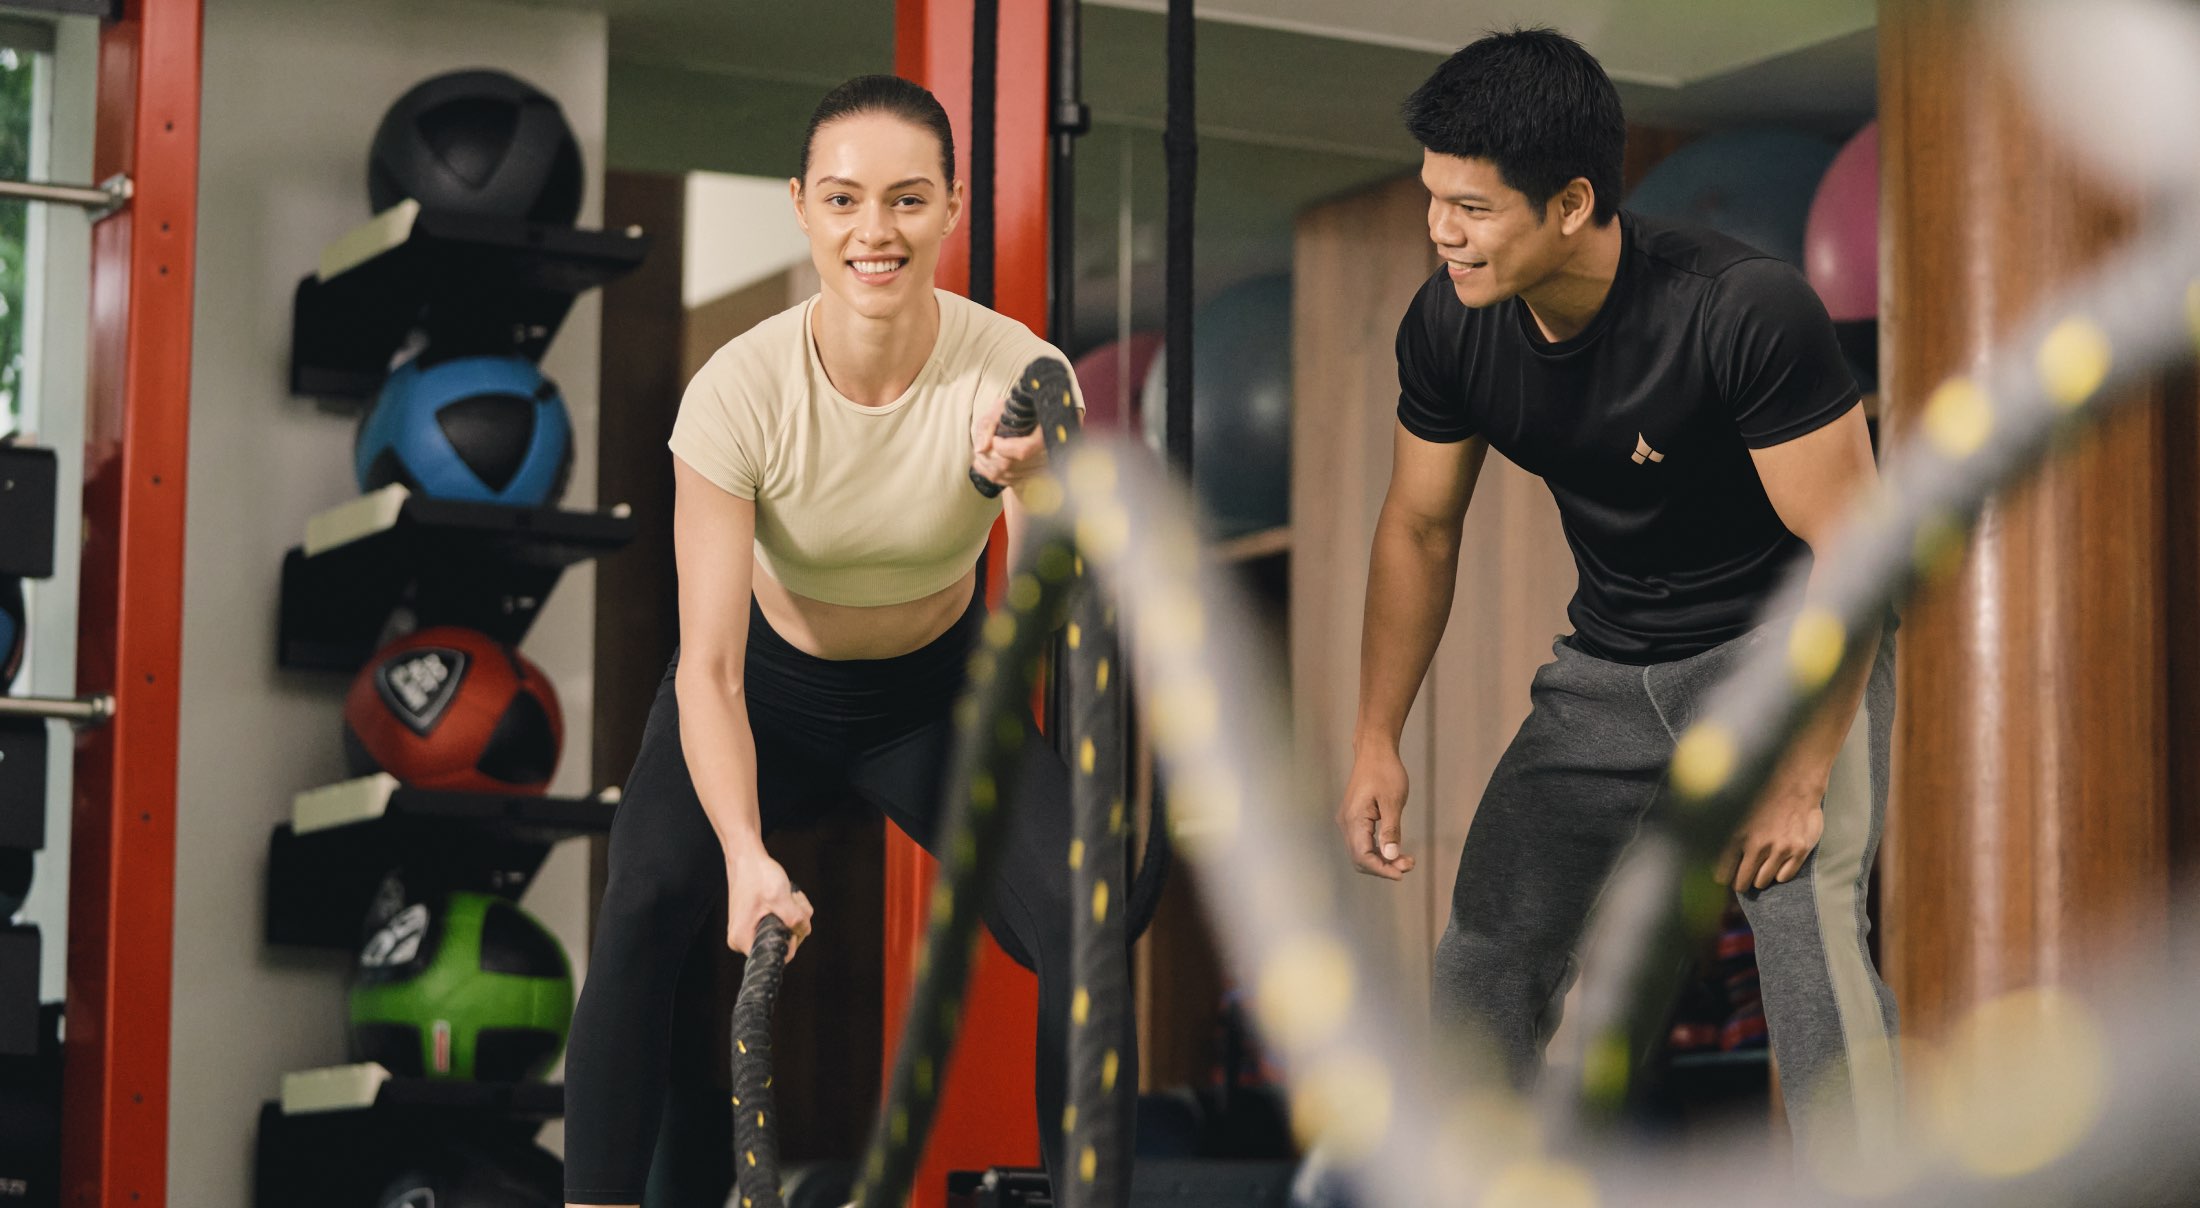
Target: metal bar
{"points": [[1181, 145], [90, 711], [101, 199], [1068, 120], [105, 10], [985, 51]]}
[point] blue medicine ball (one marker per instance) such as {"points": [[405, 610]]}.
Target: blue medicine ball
{"points": [[12, 625], [471, 429]]}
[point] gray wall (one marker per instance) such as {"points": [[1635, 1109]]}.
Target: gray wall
{"points": [[293, 90]]}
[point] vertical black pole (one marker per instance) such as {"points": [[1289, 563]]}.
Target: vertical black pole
{"points": [[1180, 143], [1069, 120], [985, 56]]}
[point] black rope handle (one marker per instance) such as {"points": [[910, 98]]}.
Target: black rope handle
{"points": [[1018, 418], [755, 1135]]}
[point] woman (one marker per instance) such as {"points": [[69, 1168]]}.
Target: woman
{"points": [[833, 439]]}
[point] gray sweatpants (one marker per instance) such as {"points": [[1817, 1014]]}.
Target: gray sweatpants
{"points": [[1567, 797]]}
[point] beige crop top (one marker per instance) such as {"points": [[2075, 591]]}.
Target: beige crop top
{"points": [[855, 505]]}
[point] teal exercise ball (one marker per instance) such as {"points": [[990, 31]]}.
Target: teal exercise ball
{"points": [[1753, 184], [1241, 406]]}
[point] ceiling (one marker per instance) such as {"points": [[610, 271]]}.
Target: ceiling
{"points": [[1298, 99], [1662, 43]]}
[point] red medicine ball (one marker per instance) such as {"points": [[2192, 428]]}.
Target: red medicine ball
{"points": [[450, 708]]}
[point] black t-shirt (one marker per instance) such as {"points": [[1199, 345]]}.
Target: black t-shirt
{"points": [[1642, 425]]}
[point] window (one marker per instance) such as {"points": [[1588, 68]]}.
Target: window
{"points": [[48, 98], [19, 107]]}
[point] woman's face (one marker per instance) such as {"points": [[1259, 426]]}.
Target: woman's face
{"points": [[876, 209]]}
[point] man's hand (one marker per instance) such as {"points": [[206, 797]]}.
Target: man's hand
{"points": [[756, 886], [1780, 834], [1374, 806], [1007, 460]]}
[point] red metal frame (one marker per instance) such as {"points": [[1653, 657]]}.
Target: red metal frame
{"points": [[130, 613], [986, 1113]]}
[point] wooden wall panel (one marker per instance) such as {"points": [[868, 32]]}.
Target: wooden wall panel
{"points": [[1357, 262], [637, 623], [1515, 576], [709, 325], [2029, 826]]}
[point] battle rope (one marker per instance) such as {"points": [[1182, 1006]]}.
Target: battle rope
{"points": [[755, 1136]]}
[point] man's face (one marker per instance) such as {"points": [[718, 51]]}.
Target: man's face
{"points": [[1494, 242]]}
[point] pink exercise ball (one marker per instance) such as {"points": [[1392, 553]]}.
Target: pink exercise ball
{"points": [[1108, 390], [1841, 241]]}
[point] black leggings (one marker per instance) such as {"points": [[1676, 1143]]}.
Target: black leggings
{"points": [[877, 728]]}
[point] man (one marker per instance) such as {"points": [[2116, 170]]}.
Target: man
{"points": [[1683, 397]]}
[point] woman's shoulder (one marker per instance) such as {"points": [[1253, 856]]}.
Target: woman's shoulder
{"points": [[760, 361], [985, 337], [774, 344]]}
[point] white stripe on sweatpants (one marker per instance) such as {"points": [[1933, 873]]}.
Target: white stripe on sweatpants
{"points": [[1838, 890]]}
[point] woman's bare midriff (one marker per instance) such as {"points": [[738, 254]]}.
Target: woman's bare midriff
{"points": [[842, 631]]}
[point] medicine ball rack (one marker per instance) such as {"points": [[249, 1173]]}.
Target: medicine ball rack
{"points": [[327, 1142], [28, 478], [485, 285], [479, 565], [1155, 1183], [20, 953], [324, 865], [479, 285]]}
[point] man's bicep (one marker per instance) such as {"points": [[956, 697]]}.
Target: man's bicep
{"points": [[1775, 354], [1431, 482], [1815, 479]]}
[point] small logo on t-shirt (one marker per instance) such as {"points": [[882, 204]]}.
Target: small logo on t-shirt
{"points": [[1643, 451]]}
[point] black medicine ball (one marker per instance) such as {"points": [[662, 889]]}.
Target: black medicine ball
{"points": [[461, 1175], [15, 880], [477, 142]]}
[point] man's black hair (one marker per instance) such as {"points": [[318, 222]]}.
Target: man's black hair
{"points": [[1534, 103]]}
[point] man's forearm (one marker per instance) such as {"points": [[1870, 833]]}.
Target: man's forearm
{"points": [[1809, 762], [1410, 576]]}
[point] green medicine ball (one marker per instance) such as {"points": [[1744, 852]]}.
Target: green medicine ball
{"points": [[466, 986]]}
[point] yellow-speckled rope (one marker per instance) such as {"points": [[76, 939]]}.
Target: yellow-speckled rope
{"points": [[1977, 435], [993, 724], [755, 1115], [1274, 885]]}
